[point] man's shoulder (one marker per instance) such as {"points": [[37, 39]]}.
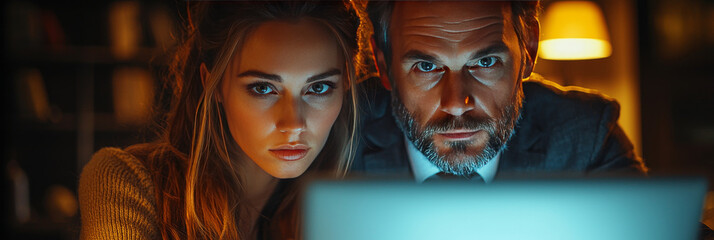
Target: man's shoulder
{"points": [[568, 129], [381, 149], [549, 100]]}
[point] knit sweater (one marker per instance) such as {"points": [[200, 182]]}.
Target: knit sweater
{"points": [[117, 198]]}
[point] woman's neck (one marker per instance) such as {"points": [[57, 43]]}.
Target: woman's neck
{"points": [[258, 187]]}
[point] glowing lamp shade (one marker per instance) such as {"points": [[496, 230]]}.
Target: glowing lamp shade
{"points": [[573, 31]]}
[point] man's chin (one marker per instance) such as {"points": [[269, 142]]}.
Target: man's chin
{"points": [[466, 149], [461, 156]]}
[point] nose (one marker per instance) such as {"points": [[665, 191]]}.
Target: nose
{"points": [[290, 117], [455, 97]]}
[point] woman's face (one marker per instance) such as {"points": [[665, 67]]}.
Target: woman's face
{"points": [[282, 93]]}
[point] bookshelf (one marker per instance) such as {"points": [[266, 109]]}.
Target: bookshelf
{"points": [[62, 69]]}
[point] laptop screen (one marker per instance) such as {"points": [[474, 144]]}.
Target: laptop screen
{"points": [[645, 208]]}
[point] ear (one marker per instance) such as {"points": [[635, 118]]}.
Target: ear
{"points": [[205, 75], [532, 47], [381, 65]]}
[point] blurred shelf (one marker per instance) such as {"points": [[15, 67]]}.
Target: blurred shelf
{"points": [[67, 122], [44, 228], [79, 55]]}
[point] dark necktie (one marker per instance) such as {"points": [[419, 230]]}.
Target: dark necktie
{"points": [[447, 176]]}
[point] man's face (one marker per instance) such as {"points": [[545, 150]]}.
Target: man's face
{"points": [[456, 70]]}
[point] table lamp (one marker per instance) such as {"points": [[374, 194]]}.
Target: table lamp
{"points": [[574, 30]]}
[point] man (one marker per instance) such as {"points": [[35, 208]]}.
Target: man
{"points": [[460, 106]]}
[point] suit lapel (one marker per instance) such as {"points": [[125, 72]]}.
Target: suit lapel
{"points": [[389, 155], [387, 162], [383, 151], [525, 150]]}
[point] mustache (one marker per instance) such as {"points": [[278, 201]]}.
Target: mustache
{"points": [[468, 122]]}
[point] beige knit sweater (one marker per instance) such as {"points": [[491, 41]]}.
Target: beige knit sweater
{"points": [[116, 198]]}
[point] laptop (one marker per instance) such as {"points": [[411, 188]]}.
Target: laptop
{"points": [[632, 208]]}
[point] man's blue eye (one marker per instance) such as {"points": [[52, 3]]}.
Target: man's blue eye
{"points": [[262, 89], [318, 88], [486, 62], [425, 66]]}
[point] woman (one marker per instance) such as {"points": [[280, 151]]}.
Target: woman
{"points": [[262, 94]]}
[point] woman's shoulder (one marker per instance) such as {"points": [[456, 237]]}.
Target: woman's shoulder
{"points": [[117, 198], [111, 162]]}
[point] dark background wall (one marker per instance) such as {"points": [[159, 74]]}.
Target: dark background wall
{"points": [[677, 45]]}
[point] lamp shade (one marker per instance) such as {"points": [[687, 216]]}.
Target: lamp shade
{"points": [[574, 30]]}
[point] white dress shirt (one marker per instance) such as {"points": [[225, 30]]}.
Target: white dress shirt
{"points": [[422, 168]]}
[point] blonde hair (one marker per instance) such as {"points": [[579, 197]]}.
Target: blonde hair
{"points": [[198, 176]]}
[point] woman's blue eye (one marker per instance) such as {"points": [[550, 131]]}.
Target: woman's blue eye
{"points": [[319, 88], [426, 66], [486, 62], [262, 89]]}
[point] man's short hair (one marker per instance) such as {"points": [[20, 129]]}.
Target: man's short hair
{"points": [[524, 15]]}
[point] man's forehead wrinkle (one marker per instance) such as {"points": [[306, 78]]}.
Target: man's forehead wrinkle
{"points": [[452, 31], [441, 37], [454, 36], [467, 25], [477, 19], [420, 18], [452, 22], [426, 47]]}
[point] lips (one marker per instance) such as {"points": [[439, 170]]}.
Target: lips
{"points": [[457, 135], [290, 152]]}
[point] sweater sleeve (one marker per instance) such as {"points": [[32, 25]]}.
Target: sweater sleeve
{"points": [[116, 197]]}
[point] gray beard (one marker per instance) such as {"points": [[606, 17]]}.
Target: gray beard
{"points": [[458, 160]]}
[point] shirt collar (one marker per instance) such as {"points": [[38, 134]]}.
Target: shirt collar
{"points": [[422, 168]]}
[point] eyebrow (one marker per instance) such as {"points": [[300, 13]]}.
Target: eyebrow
{"points": [[259, 74], [277, 78], [416, 55], [495, 48], [324, 75]]}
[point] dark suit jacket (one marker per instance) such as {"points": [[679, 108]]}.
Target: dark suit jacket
{"points": [[563, 130]]}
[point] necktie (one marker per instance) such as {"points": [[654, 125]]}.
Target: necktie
{"points": [[447, 176]]}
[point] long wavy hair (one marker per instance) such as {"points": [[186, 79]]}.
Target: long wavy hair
{"points": [[199, 194]]}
